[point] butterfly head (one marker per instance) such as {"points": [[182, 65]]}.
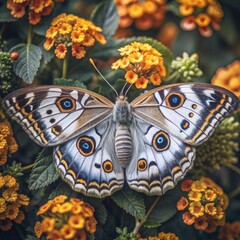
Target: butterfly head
{"points": [[122, 111]]}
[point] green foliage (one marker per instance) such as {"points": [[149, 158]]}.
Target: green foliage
{"points": [[124, 235], [44, 171], [28, 62], [131, 201], [5, 15], [69, 82]]}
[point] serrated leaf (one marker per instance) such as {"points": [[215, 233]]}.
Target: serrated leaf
{"points": [[5, 15], [164, 210], [63, 189], [43, 172], [106, 16], [69, 82], [131, 201], [28, 62]]}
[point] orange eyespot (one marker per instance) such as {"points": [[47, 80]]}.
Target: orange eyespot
{"points": [[66, 104], [142, 164], [194, 106], [107, 166], [174, 100], [86, 145], [190, 114]]}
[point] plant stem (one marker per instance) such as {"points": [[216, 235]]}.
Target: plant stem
{"points": [[233, 167], [139, 223], [173, 77], [29, 37], [234, 193], [27, 167], [65, 66]]}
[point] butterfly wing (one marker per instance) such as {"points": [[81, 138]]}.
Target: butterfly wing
{"points": [[190, 112], [53, 114], [89, 163], [159, 159]]}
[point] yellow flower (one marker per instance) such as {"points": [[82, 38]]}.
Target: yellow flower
{"points": [[67, 231], [9, 181], [202, 20], [68, 30], [196, 209], [167, 236], [10, 195], [48, 224], [2, 181], [76, 209], [12, 211], [210, 195], [76, 221], [142, 63], [23, 199], [198, 186], [59, 199], [65, 207], [44, 208], [194, 196]]}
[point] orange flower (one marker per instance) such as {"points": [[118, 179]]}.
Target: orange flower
{"points": [[186, 10], [91, 225], [194, 196], [155, 79], [201, 223], [60, 51], [67, 232], [188, 218], [141, 82], [131, 77], [182, 203], [202, 20], [76, 221], [68, 30], [229, 77], [135, 10], [48, 224], [196, 209], [38, 229], [186, 185]]}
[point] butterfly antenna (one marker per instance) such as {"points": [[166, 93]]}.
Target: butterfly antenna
{"points": [[121, 93], [92, 62], [128, 90]]}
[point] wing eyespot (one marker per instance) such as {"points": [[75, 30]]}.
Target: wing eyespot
{"points": [[107, 166], [161, 141], [86, 145], [142, 164], [174, 100], [66, 104]]}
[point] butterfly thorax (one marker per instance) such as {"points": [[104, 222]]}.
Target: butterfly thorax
{"points": [[123, 141]]}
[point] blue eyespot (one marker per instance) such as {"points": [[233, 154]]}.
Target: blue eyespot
{"points": [[174, 100], [161, 141], [66, 104], [86, 145]]}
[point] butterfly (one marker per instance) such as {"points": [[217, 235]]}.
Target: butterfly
{"points": [[150, 142]]}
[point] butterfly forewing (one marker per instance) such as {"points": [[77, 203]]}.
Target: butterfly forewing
{"points": [[191, 112], [52, 114]]}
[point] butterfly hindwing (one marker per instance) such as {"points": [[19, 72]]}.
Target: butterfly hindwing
{"points": [[51, 114], [159, 159], [191, 112], [88, 162]]}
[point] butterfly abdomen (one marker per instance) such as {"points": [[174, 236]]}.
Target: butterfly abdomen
{"points": [[123, 145]]}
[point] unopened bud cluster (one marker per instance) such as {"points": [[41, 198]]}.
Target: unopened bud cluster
{"points": [[187, 67]]}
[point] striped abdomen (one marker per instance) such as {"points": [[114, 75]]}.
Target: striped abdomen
{"points": [[123, 145]]}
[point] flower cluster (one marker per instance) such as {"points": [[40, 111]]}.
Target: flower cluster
{"points": [[187, 67], [37, 9], [142, 63], [11, 202], [229, 77], [203, 14], [64, 219], [220, 148], [68, 30], [162, 236], [205, 203], [143, 14], [230, 231], [7, 141]]}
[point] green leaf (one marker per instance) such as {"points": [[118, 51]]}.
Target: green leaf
{"points": [[106, 16], [63, 189], [44, 171], [30, 237], [69, 82], [28, 62], [165, 209], [131, 201], [5, 15], [42, 26]]}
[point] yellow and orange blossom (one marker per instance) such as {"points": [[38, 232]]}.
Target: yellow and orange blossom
{"points": [[11, 202], [8, 143], [162, 236], [229, 77], [36, 9], [203, 14], [205, 204], [70, 31], [142, 63], [63, 219]]}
